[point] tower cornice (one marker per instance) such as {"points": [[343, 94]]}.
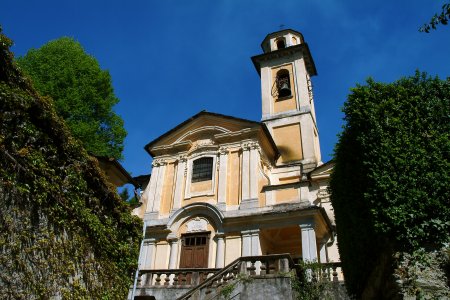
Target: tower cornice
{"points": [[301, 48]]}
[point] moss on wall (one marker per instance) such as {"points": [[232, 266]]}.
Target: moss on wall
{"points": [[65, 231]]}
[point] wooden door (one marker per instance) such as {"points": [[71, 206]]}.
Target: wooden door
{"points": [[194, 251]]}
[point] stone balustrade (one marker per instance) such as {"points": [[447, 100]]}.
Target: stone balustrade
{"points": [[205, 283], [174, 277]]}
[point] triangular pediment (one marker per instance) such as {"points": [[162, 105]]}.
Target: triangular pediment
{"points": [[204, 127]]}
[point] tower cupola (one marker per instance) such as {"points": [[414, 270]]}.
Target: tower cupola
{"points": [[281, 39]]}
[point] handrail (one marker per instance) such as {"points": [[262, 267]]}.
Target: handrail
{"points": [[231, 266]]}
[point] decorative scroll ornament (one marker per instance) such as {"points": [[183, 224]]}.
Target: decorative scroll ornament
{"points": [[197, 225], [323, 193]]}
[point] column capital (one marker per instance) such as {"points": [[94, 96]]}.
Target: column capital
{"points": [[223, 150], [250, 232], [307, 224], [173, 240], [220, 235], [246, 146], [150, 241]]}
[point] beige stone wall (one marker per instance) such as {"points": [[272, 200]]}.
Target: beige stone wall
{"points": [[286, 195], [232, 247], [162, 255], [289, 143]]}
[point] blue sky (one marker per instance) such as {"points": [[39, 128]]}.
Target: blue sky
{"points": [[171, 59]]}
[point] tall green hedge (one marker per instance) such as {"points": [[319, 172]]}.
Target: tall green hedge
{"points": [[64, 230], [390, 186]]}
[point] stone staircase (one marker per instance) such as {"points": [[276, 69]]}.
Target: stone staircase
{"points": [[248, 277]]}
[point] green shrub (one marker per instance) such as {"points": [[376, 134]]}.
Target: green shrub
{"points": [[390, 185]]}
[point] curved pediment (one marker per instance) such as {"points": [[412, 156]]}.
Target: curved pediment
{"points": [[201, 133]]}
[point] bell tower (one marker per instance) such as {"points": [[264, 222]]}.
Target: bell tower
{"points": [[286, 68]]}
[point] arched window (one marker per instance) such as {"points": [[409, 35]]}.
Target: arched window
{"points": [[294, 40], [202, 169], [283, 83], [280, 44]]}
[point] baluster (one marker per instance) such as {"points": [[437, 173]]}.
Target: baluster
{"points": [[183, 278], [263, 267], [175, 279], [252, 267], [325, 273], [272, 266], [139, 280], [167, 279], [335, 274], [314, 276], [208, 289], [158, 279]]}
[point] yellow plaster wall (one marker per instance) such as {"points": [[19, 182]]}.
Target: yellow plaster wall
{"points": [[288, 140], [201, 186], [168, 185], [289, 103], [232, 248], [162, 255], [291, 179], [234, 176], [286, 195], [262, 195]]}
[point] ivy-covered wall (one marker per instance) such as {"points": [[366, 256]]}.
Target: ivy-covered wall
{"points": [[64, 230], [390, 185]]}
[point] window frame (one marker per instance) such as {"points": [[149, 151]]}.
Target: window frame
{"points": [[209, 192]]}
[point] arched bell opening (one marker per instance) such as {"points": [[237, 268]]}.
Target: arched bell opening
{"points": [[281, 44], [283, 84]]}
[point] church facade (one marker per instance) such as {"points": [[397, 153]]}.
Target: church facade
{"points": [[224, 187]]}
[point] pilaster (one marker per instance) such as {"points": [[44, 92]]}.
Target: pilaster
{"points": [[222, 190], [220, 254], [173, 253], [159, 187], [178, 193]]}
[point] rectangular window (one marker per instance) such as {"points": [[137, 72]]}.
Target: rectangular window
{"points": [[202, 169]]}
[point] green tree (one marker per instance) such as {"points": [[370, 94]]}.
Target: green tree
{"points": [[82, 93], [390, 185], [442, 18]]}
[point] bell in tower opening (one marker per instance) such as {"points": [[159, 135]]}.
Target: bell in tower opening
{"points": [[283, 84]]}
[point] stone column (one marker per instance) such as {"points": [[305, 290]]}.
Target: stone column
{"points": [[149, 253], [222, 191], [173, 253], [309, 246], [220, 255], [178, 193], [323, 251]]}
